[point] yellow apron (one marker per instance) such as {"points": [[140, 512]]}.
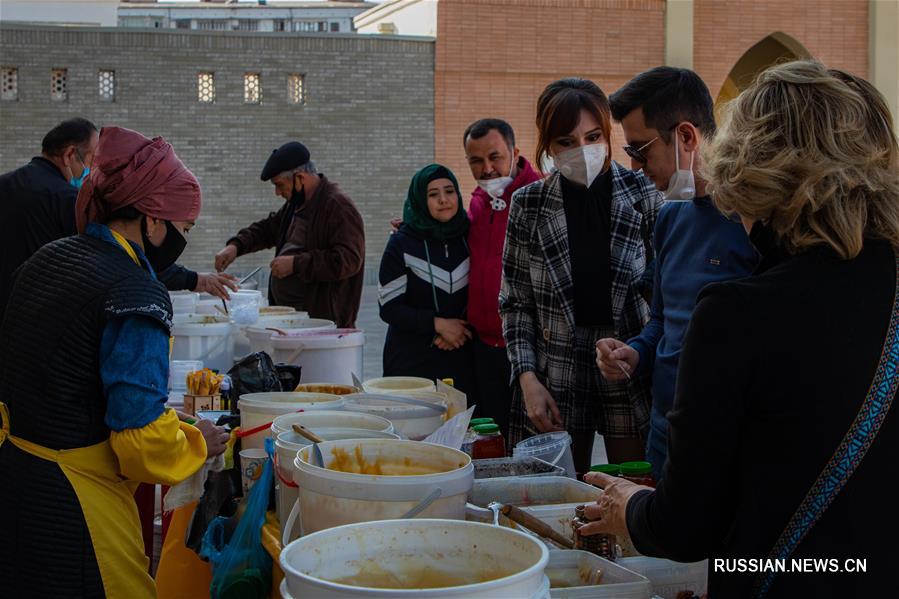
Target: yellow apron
{"points": [[107, 501]]}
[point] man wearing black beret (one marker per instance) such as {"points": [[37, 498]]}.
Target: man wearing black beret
{"points": [[318, 237]]}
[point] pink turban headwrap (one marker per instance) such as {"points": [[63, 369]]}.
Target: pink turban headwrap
{"points": [[132, 170]]}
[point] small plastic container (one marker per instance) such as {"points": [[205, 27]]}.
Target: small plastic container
{"points": [[554, 448], [489, 442], [178, 371], [243, 307], [638, 472]]}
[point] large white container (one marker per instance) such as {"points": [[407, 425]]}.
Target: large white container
{"points": [[258, 410], [554, 448], [406, 549], [326, 356], [411, 422], [331, 419], [569, 568], [287, 444], [269, 316], [203, 337], [260, 336], [331, 498], [398, 385]]}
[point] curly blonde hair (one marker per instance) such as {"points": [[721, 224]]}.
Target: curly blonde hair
{"points": [[811, 152]]}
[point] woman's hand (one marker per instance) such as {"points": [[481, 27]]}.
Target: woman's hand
{"points": [[216, 283], [610, 511], [216, 437], [441, 343], [453, 331], [540, 405]]}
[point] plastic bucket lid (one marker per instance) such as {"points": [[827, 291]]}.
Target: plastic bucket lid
{"points": [[331, 419]]}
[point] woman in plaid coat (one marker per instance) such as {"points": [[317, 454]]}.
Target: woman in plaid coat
{"points": [[576, 246]]}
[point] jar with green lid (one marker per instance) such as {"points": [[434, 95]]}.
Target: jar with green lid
{"points": [[478, 421], [489, 442], [638, 472], [471, 436]]}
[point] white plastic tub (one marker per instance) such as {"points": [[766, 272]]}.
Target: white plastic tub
{"points": [[206, 338], [567, 571], [260, 336], [554, 448], [405, 549], [398, 385], [329, 356], [668, 578], [411, 422], [331, 419], [331, 498], [274, 316], [287, 444], [258, 409]]}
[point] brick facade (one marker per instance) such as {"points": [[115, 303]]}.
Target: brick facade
{"points": [[368, 121], [833, 31], [494, 57]]}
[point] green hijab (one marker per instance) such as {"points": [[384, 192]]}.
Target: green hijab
{"points": [[415, 211]]}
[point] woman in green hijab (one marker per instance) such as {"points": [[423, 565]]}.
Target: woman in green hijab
{"points": [[423, 284]]}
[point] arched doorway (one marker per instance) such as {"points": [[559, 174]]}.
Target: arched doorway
{"points": [[773, 49]]}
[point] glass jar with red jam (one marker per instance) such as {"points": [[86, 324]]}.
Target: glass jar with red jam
{"points": [[489, 442], [638, 472]]}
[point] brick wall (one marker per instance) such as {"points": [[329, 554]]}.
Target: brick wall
{"points": [[834, 31], [368, 121], [494, 57]]}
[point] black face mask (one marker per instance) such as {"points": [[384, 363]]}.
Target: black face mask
{"points": [[160, 258], [297, 197]]}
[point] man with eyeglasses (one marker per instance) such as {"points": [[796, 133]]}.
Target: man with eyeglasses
{"points": [[666, 114]]}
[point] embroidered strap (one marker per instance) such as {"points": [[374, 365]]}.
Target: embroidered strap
{"points": [[849, 454]]}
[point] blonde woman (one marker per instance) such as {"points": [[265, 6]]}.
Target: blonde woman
{"points": [[782, 437]]}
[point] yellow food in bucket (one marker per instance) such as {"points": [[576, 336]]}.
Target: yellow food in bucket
{"points": [[357, 464]]}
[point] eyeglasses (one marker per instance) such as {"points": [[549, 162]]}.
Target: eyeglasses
{"points": [[637, 153]]}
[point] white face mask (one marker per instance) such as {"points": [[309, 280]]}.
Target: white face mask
{"points": [[682, 185], [581, 164], [496, 187]]}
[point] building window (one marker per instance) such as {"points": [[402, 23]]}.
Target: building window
{"points": [[58, 79], [213, 24], [206, 87], [281, 25], [308, 26], [322, 26], [252, 88], [10, 89], [247, 25], [182, 24], [296, 89], [335, 27], [106, 81]]}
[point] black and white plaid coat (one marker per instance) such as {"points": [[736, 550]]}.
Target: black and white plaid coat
{"points": [[537, 295]]}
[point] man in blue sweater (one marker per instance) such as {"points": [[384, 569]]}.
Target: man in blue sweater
{"points": [[666, 113]]}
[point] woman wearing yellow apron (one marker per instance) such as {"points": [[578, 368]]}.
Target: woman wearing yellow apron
{"points": [[83, 376]]}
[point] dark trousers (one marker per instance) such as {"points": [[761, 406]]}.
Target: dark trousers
{"points": [[494, 391]]}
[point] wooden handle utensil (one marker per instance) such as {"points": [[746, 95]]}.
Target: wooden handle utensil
{"points": [[305, 432], [530, 522]]}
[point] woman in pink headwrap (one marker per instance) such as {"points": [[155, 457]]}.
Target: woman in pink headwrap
{"points": [[83, 378]]}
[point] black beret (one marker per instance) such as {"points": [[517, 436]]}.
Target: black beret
{"points": [[287, 157]]}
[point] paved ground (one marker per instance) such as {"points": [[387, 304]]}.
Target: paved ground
{"points": [[375, 330]]}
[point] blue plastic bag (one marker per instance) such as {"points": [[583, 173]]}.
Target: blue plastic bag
{"points": [[241, 567]]}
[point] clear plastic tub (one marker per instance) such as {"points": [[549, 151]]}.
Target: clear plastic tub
{"points": [[243, 307], [518, 467], [554, 448], [668, 578], [569, 575]]}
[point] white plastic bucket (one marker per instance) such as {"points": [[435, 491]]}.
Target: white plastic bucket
{"points": [[184, 302], [331, 419], [411, 422], [327, 356], [331, 498], [260, 336], [203, 337], [287, 444], [554, 448], [258, 410], [398, 385], [468, 552], [274, 316]]}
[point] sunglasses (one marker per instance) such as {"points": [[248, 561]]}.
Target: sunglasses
{"points": [[637, 153]]}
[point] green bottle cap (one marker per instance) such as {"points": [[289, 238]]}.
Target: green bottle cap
{"points": [[636, 468], [487, 429], [476, 421], [611, 469]]}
